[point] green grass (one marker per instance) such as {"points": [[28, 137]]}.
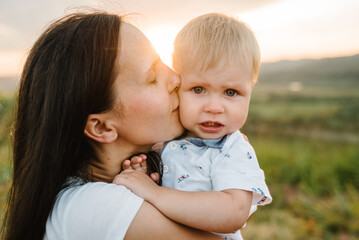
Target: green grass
{"points": [[315, 189], [307, 145], [6, 119], [326, 109]]}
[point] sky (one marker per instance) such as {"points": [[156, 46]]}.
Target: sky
{"points": [[285, 29]]}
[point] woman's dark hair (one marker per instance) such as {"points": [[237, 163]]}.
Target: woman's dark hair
{"points": [[69, 74]]}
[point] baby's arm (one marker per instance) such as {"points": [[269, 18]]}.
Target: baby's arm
{"points": [[213, 211]]}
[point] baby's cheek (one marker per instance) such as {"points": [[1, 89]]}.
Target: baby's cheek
{"points": [[182, 117], [188, 124]]}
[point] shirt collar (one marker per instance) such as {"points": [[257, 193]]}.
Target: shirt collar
{"points": [[212, 143]]}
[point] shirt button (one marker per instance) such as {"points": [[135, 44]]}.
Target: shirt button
{"points": [[165, 168], [173, 146]]}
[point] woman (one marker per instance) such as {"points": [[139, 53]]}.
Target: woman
{"points": [[93, 92]]}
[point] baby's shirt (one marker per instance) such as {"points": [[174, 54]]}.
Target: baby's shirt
{"points": [[194, 164]]}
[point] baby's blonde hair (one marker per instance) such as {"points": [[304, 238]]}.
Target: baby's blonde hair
{"points": [[210, 38]]}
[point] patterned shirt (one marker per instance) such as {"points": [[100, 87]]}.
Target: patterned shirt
{"points": [[194, 164]]}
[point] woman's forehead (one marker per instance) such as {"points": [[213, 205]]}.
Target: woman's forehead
{"points": [[131, 38], [136, 54]]}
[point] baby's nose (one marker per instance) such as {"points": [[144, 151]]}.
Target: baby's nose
{"points": [[214, 106]]}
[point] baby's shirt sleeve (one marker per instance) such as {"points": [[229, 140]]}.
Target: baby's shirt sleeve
{"points": [[236, 167]]}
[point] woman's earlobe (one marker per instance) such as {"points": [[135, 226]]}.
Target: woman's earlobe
{"points": [[100, 129]]}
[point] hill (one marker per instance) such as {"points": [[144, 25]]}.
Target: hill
{"points": [[341, 71], [308, 97]]}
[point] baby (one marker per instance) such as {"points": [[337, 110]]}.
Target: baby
{"points": [[211, 177]]}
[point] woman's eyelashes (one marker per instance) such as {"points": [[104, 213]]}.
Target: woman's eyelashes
{"points": [[154, 81]]}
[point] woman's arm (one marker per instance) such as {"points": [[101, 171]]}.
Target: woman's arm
{"points": [[212, 211], [149, 223]]}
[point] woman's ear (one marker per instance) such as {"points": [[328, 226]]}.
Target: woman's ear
{"points": [[100, 129]]}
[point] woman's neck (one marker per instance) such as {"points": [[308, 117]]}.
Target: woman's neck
{"points": [[110, 158]]}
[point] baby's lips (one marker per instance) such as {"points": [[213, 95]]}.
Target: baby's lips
{"points": [[211, 124]]}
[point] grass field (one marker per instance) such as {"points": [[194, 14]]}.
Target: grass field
{"points": [[6, 119], [307, 143], [306, 140], [314, 184]]}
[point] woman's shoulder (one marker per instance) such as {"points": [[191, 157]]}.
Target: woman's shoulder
{"points": [[91, 209], [91, 194], [96, 191]]}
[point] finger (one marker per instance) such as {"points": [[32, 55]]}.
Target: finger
{"points": [[155, 177], [126, 164], [136, 159], [143, 163], [245, 137], [136, 162], [143, 156]]}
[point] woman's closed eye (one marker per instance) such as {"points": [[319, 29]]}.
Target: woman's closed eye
{"points": [[154, 81], [231, 92], [198, 90]]}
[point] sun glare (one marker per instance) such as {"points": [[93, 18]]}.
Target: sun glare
{"points": [[162, 40], [11, 63], [302, 28]]}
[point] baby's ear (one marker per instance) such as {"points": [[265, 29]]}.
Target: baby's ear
{"points": [[100, 129]]}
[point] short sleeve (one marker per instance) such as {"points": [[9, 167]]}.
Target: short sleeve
{"points": [[236, 167], [93, 211]]}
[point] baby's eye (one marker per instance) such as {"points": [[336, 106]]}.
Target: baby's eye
{"points": [[198, 90], [231, 92]]}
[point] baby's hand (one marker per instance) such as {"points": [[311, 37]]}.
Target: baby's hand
{"points": [[245, 137], [139, 163], [138, 182]]}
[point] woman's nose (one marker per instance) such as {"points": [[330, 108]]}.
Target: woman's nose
{"points": [[173, 82]]}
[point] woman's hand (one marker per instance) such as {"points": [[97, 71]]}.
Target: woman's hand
{"points": [[139, 163], [138, 182]]}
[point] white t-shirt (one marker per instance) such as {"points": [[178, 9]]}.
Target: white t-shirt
{"points": [[93, 210]]}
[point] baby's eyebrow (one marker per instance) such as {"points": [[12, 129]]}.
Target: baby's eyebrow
{"points": [[231, 85]]}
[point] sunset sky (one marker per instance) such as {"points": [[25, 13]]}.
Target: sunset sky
{"points": [[286, 29]]}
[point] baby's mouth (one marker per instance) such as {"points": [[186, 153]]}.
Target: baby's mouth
{"points": [[211, 124], [211, 127]]}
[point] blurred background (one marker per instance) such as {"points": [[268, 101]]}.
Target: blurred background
{"points": [[304, 114]]}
